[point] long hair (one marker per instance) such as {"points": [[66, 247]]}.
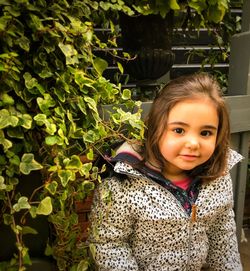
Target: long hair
{"points": [[177, 90]]}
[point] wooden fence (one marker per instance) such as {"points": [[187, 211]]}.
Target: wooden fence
{"points": [[239, 105]]}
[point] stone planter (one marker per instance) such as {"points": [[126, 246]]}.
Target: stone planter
{"points": [[148, 39]]}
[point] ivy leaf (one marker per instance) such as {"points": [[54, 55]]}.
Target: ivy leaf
{"points": [[91, 136], [67, 49], [85, 169], [50, 128], [174, 5], [52, 187], [7, 218], [12, 10], [40, 119], [105, 5], [44, 207], [15, 160], [7, 99], [88, 186], [24, 43], [120, 67], [4, 21], [26, 257], [81, 105], [7, 120], [5, 142], [90, 154], [46, 103], [60, 94], [199, 6], [53, 140], [16, 132], [65, 176], [60, 111], [48, 250], [31, 84], [83, 265], [28, 164], [91, 104], [74, 163], [92, 249], [36, 23], [216, 15], [21, 204], [62, 136], [28, 230], [2, 184], [13, 181], [26, 121], [32, 211], [126, 94], [70, 53], [45, 73], [100, 65]]}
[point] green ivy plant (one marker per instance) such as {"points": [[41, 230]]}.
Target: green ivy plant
{"points": [[52, 86], [51, 118], [221, 34], [198, 13]]}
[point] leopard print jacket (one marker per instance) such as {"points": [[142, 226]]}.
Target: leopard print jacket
{"points": [[144, 227]]}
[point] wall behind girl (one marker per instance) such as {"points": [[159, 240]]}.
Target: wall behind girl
{"points": [[171, 204]]}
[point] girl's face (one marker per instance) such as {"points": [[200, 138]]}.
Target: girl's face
{"points": [[190, 136]]}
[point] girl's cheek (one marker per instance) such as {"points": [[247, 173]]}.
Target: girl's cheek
{"points": [[170, 142], [212, 144]]}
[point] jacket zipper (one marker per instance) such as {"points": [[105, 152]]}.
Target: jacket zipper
{"points": [[192, 218]]}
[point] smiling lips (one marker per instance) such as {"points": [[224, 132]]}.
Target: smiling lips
{"points": [[189, 157]]}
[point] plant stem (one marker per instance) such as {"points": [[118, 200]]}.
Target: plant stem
{"points": [[18, 236]]}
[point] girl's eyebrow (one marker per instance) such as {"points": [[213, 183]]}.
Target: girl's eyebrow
{"points": [[207, 126]]}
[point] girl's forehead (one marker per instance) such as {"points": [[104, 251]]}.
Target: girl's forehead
{"points": [[197, 99], [197, 110]]}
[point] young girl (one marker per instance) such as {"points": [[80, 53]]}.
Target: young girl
{"points": [[169, 205]]}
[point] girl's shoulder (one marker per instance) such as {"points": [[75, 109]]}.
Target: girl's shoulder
{"points": [[218, 192], [222, 186], [124, 180]]}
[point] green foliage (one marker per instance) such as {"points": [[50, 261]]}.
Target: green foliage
{"points": [[204, 13], [51, 119], [221, 34], [52, 86]]}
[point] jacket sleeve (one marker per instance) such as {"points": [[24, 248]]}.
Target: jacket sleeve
{"points": [[223, 246], [111, 227]]}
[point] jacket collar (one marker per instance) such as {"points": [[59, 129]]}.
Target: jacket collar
{"points": [[127, 162], [233, 158]]}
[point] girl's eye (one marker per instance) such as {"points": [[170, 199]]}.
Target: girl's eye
{"points": [[179, 131], [206, 133]]}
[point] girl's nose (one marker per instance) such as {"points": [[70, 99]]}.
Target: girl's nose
{"points": [[192, 143]]}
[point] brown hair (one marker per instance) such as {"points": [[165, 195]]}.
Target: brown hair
{"points": [[188, 87]]}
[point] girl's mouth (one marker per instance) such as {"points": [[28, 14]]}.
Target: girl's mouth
{"points": [[189, 157]]}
